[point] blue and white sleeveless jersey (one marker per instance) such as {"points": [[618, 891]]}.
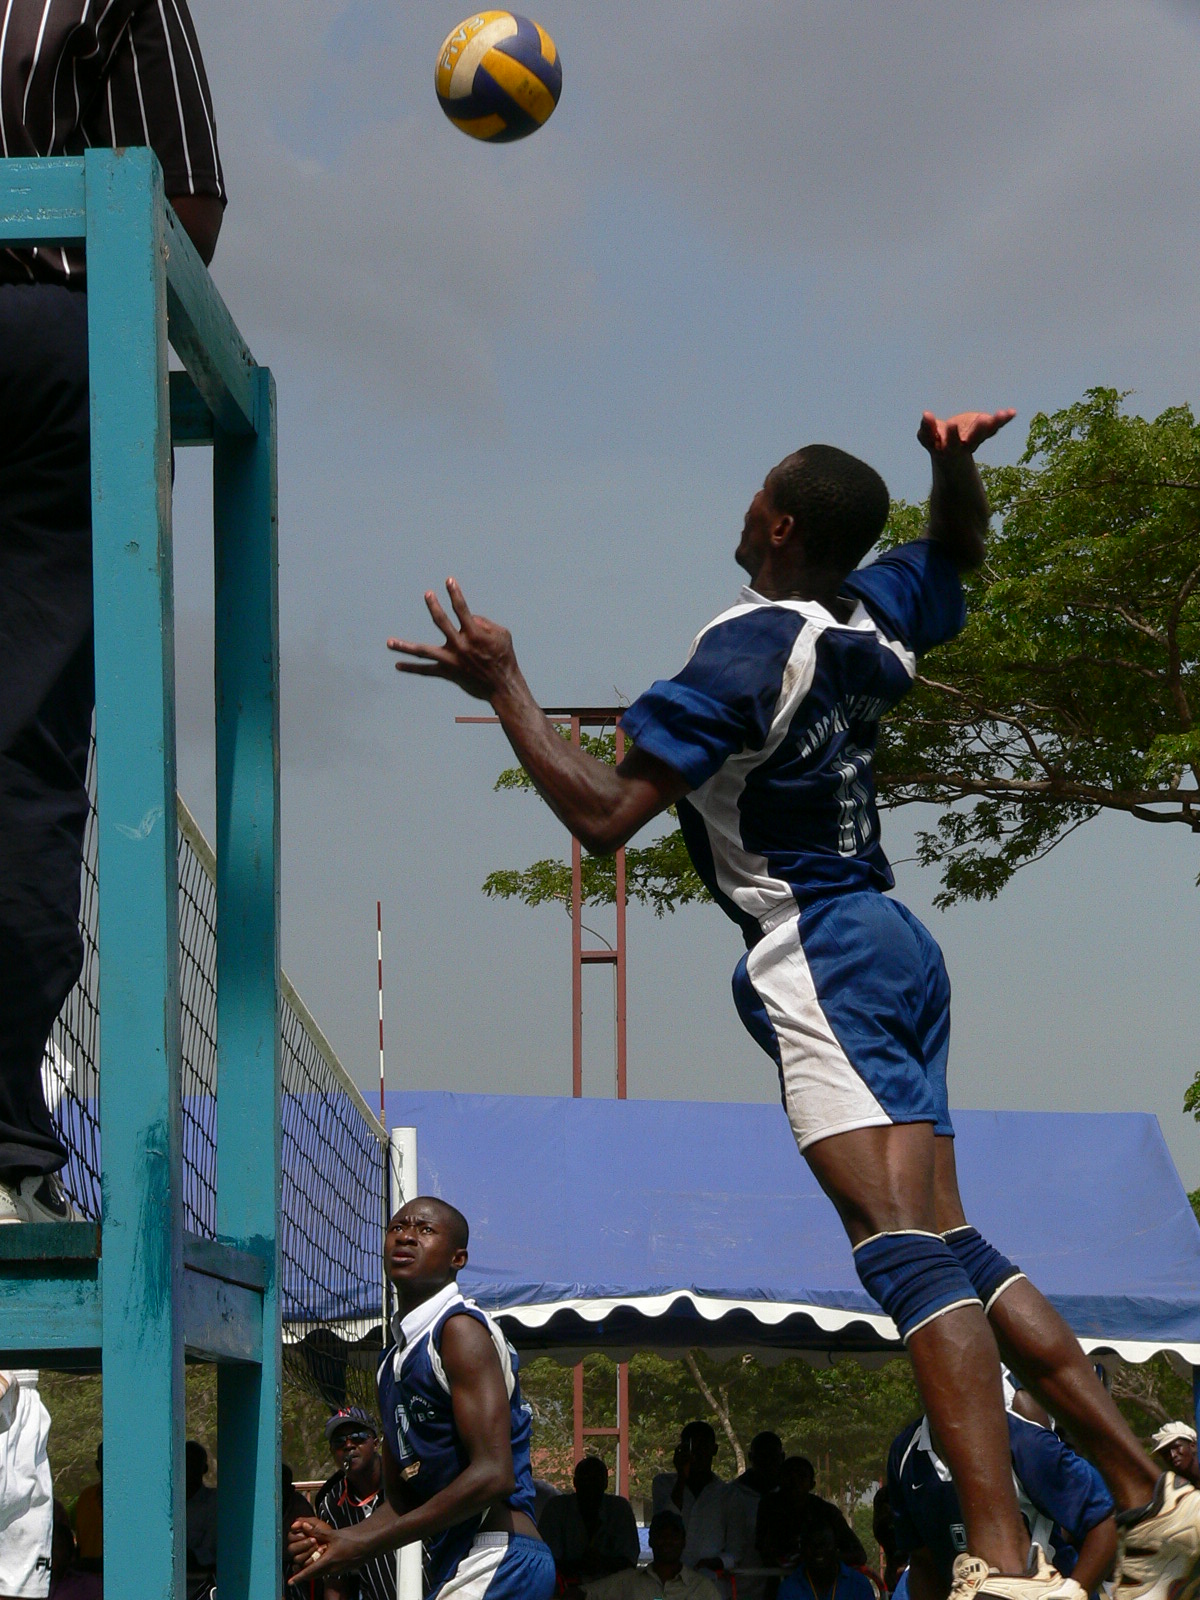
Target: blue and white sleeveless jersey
{"points": [[773, 722], [418, 1419]]}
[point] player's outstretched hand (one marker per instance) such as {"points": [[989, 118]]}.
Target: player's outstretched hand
{"points": [[966, 431], [477, 655], [313, 1548]]}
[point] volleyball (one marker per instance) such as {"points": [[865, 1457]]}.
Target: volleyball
{"points": [[498, 76]]}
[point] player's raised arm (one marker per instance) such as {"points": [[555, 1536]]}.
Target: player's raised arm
{"points": [[603, 806], [958, 507]]}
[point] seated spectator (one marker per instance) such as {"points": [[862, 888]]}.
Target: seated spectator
{"points": [[88, 1521], [785, 1513], [67, 1580], [1175, 1448], [666, 1578], [200, 1511], [821, 1570], [590, 1532], [693, 1478], [729, 1540], [543, 1493], [350, 1496]]}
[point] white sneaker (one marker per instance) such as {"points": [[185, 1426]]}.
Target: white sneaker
{"points": [[975, 1580], [39, 1198], [1158, 1556]]}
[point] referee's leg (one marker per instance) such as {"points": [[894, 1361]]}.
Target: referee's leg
{"points": [[46, 705]]}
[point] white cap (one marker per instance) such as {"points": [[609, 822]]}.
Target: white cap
{"points": [[1170, 1431]]}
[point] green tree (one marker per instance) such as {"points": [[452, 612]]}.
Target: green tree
{"points": [[1073, 690]]}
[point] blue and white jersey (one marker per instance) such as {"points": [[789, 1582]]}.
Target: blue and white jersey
{"points": [[1062, 1496], [773, 722], [418, 1419]]}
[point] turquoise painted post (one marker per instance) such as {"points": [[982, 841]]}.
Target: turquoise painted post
{"points": [[248, 1065], [142, 1264]]}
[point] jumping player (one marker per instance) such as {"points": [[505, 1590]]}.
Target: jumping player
{"points": [[456, 1468], [765, 741]]}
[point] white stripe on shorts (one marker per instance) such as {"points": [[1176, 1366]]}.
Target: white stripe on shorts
{"points": [[470, 1579], [26, 1499], [822, 1092]]}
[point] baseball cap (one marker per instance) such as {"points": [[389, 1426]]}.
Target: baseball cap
{"points": [[350, 1417], [1170, 1431]]}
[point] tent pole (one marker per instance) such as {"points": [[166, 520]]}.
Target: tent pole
{"points": [[1196, 1398]]}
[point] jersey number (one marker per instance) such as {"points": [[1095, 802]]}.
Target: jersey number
{"points": [[856, 825]]}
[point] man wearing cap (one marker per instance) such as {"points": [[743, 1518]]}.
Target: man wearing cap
{"points": [[1175, 1446], [350, 1496]]}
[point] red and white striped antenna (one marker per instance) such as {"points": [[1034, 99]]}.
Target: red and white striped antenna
{"points": [[379, 954]]}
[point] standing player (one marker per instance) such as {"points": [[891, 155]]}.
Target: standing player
{"points": [[765, 742], [1062, 1497], [456, 1468]]}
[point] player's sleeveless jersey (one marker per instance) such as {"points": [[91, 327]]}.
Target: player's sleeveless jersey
{"points": [[1062, 1496], [418, 1420], [773, 721]]}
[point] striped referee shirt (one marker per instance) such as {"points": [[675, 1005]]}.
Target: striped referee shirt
{"points": [[75, 73]]}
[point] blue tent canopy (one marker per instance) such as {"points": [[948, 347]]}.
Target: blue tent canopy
{"points": [[620, 1225]]}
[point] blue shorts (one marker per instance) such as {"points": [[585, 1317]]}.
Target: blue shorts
{"points": [[852, 1002], [502, 1566]]}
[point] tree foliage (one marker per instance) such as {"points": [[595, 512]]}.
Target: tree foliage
{"points": [[1075, 687]]}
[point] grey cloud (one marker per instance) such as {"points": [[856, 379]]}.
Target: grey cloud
{"points": [[326, 703]]}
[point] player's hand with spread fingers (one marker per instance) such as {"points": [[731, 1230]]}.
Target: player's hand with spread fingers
{"points": [[964, 432], [477, 655]]}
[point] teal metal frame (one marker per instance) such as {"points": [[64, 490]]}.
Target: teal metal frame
{"points": [[136, 1294]]}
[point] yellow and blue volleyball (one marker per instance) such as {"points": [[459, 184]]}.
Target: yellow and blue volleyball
{"points": [[498, 76]]}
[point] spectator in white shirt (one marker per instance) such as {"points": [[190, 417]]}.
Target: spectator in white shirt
{"points": [[693, 1476], [666, 1578], [726, 1540], [590, 1533]]}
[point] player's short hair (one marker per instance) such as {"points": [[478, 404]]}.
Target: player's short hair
{"points": [[460, 1228], [839, 503]]}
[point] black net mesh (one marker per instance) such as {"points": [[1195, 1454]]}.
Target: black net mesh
{"points": [[333, 1151]]}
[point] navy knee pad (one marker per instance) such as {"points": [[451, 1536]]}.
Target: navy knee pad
{"points": [[989, 1271], [914, 1276]]}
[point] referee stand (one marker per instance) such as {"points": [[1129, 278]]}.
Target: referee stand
{"points": [[135, 1293]]}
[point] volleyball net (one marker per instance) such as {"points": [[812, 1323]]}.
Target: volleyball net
{"points": [[334, 1148]]}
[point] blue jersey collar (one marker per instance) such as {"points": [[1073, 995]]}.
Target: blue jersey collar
{"points": [[813, 609]]}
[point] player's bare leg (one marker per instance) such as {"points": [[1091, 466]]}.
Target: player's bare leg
{"points": [[1159, 1553], [1041, 1349], [882, 1180]]}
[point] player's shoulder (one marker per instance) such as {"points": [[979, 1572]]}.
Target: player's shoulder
{"points": [[755, 618]]}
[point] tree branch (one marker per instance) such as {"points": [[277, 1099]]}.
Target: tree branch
{"points": [[719, 1408]]}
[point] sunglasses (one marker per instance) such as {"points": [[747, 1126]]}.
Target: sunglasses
{"points": [[345, 1441]]}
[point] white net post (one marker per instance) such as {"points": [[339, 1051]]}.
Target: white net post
{"points": [[402, 1186]]}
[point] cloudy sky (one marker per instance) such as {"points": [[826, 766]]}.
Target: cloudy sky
{"points": [[559, 369]]}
